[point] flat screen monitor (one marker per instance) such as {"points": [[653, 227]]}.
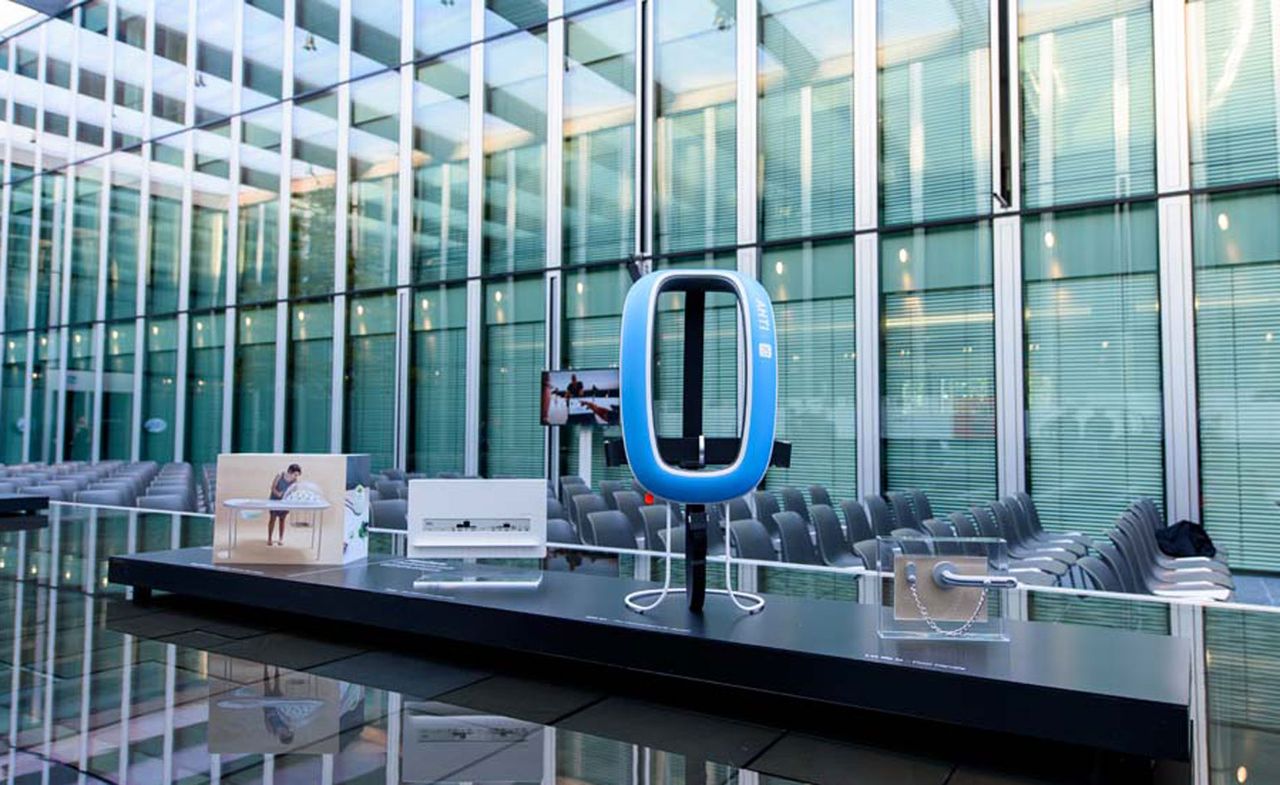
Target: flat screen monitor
{"points": [[590, 397]]}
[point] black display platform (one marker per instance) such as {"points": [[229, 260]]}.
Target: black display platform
{"points": [[1106, 689], [22, 512]]}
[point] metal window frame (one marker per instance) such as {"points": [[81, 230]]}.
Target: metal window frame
{"points": [[404, 241], [475, 239], [283, 259], [232, 263], [341, 227]]}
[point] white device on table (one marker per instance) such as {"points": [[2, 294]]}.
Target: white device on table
{"points": [[477, 519]]}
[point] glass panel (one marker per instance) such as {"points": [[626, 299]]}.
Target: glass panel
{"points": [[938, 365], [169, 67], [375, 37], [812, 291], [1237, 281], [312, 206], [215, 40], [503, 16], [440, 137], [515, 134], [255, 381], [263, 54], [315, 45], [370, 401], [44, 417], [117, 392], [53, 200], [310, 379], [84, 244], [439, 27], [438, 380], [375, 176], [159, 389], [124, 224], [806, 117], [1091, 301], [511, 438], [17, 297], [129, 91], [935, 110], [1241, 654], [210, 196], [257, 249], [592, 300], [1233, 51], [1088, 100], [13, 379], [204, 388], [695, 68], [79, 425], [165, 246], [599, 135]]}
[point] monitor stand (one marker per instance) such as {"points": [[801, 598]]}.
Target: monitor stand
{"points": [[468, 576]]}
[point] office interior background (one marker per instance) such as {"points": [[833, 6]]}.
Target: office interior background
{"points": [[1011, 243]]}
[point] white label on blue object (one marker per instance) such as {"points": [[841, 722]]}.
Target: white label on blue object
{"points": [[766, 351]]}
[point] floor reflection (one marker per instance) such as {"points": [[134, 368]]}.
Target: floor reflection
{"points": [[101, 690]]}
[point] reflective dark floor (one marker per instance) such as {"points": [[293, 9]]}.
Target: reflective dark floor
{"points": [[102, 690]]}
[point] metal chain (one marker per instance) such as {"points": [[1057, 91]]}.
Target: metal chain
{"points": [[933, 625]]}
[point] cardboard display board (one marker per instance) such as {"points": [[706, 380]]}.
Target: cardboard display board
{"points": [[288, 508]]}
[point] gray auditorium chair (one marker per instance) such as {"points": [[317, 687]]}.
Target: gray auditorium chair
{"points": [[818, 494], [793, 500], [677, 540], [570, 480], [8, 487], [610, 487], [751, 541], [937, 527], [793, 536], [834, 549], [556, 510], [582, 505], [1020, 549], [53, 492], [855, 520], [629, 504], [171, 502], [1027, 535], [389, 514], [395, 474], [766, 507], [1037, 527], [112, 497], [655, 522], [610, 529], [391, 489], [869, 552], [1120, 567], [924, 510], [739, 510], [878, 512], [904, 517], [986, 526], [912, 541], [561, 531], [1100, 575]]}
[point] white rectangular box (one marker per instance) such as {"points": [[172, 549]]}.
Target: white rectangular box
{"points": [[477, 519]]}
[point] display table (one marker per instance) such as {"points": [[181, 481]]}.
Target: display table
{"points": [[23, 512], [312, 510], [1102, 688]]}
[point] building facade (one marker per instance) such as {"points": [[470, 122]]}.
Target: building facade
{"points": [[1013, 244]]}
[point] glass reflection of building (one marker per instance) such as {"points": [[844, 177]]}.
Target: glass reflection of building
{"points": [[1004, 255]]}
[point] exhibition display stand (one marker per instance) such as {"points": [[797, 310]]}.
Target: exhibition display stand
{"points": [[1102, 688]]}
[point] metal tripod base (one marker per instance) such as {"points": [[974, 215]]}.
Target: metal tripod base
{"points": [[754, 604]]}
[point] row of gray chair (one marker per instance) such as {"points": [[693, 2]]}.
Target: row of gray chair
{"points": [[144, 484]]}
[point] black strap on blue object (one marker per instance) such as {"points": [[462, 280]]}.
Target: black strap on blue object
{"points": [[693, 450]]}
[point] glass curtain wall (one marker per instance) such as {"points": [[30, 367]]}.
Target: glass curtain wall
{"points": [[1237, 281], [513, 356], [806, 117], [695, 130], [159, 389], [375, 175], [441, 135], [438, 380], [370, 379], [117, 391], [309, 383], [935, 110], [253, 411], [811, 286], [1091, 303], [1088, 100], [938, 365], [205, 360], [592, 303], [13, 379]]}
